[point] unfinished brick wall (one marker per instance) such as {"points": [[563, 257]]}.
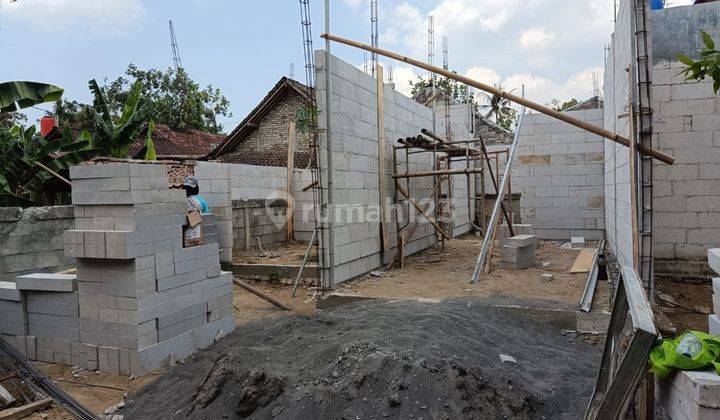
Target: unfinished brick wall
{"points": [[617, 157], [264, 220], [272, 130], [32, 240], [686, 195], [356, 167], [559, 174]]}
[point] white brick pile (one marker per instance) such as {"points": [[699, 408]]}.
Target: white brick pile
{"points": [[689, 395], [139, 296]]}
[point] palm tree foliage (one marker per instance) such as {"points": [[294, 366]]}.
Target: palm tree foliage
{"points": [[499, 109]]}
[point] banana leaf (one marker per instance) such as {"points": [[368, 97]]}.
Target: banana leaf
{"points": [[18, 95]]}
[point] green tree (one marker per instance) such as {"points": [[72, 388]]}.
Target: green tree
{"points": [[175, 99], [23, 152], [457, 92], [75, 115], [707, 64], [558, 106]]}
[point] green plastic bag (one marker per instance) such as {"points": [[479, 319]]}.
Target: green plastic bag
{"points": [[691, 350]]}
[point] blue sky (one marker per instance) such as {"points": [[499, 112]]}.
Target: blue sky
{"points": [[244, 47]]}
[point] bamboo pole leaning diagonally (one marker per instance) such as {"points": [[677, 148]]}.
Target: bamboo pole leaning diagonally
{"points": [[662, 157]]}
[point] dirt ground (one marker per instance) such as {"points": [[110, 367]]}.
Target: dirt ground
{"points": [[96, 391], [290, 253], [400, 359], [434, 274], [687, 305], [437, 274]]}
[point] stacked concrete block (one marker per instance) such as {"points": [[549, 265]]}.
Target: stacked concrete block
{"points": [[141, 295], [518, 252], [215, 183], [32, 240], [714, 319], [689, 395], [13, 316]]}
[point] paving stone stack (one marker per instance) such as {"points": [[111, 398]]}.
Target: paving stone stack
{"points": [[518, 252], [139, 298], [714, 319]]}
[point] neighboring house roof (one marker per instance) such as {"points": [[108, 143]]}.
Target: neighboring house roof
{"points": [[178, 143], [277, 156], [593, 103], [492, 125], [250, 122]]}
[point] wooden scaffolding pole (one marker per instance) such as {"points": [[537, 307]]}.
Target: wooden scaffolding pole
{"points": [[662, 157]]}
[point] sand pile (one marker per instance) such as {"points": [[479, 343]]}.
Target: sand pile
{"points": [[382, 359]]}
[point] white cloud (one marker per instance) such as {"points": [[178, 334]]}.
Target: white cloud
{"points": [[402, 76], [536, 38], [109, 17], [484, 75], [543, 90]]}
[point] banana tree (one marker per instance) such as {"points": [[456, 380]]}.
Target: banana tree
{"points": [[17, 95], [499, 108], [22, 181], [114, 137]]}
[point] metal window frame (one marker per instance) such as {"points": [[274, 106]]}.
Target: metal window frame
{"points": [[619, 376]]}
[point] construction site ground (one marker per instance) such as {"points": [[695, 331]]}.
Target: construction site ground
{"points": [[436, 274]]}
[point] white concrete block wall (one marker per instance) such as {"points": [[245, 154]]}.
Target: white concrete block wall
{"points": [[559, 174], [617, 157], [355, 163], [686, 197]]}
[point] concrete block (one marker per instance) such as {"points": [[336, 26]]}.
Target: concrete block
{"points": [[47, 282], [714, 259], [31, 347], [9, 291], [522, 240], [577, 242], [716, 286], [714, 325]]}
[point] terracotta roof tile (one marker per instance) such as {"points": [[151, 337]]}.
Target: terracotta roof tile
{"points": [[169, 142]]}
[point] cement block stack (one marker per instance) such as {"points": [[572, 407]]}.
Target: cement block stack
{"points": [[518, 252], [689, 395], [138, 296], [714, 319], [145, 297]]}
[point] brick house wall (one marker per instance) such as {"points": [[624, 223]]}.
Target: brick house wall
{"points": [[272, 130]]}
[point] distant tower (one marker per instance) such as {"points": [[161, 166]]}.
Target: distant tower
{"points": [[291, 74], [390, 74], [365, 63], [174, 46], [374, 32], [445, 52], [431, 46]]}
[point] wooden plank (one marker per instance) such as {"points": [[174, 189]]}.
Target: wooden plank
{"points": [[6, 398], [384, 231], [584, 261], [25, 410], [292, 139]]}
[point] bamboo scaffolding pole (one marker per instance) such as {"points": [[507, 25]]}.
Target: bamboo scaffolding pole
{"points": [[662, 157], [422, 211], [53, 173], [439, 172]]}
